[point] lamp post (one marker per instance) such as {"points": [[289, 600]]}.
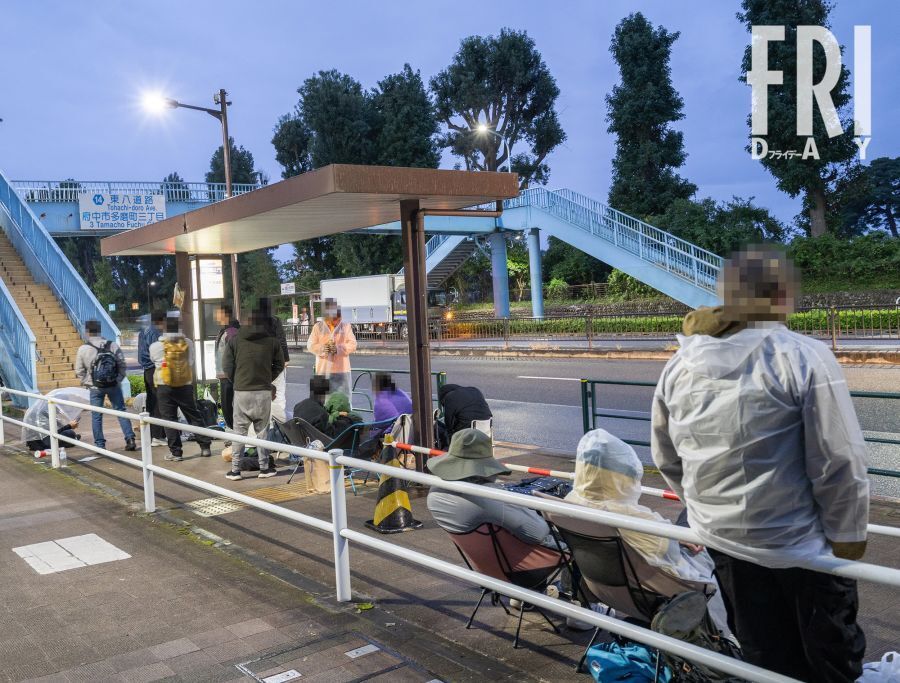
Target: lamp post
{"points": [[156, 103], [483, 128], [150, 284]]}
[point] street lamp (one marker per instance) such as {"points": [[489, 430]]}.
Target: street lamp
{"points": [[483, 129], [157, 103], [150, 284]]}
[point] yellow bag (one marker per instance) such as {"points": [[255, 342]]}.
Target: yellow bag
{"points": [[176, 369]]}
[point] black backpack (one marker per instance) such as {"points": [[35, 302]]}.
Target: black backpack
{"points": [[105, 368]]}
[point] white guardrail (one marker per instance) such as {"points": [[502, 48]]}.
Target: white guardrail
{"points": [[341, 535]]}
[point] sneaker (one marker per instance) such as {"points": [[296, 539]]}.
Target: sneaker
{"points": [[233, 476], [130, 445], [515, 603], [265, 474], [205, 452], [174, 457], [158, 442]]}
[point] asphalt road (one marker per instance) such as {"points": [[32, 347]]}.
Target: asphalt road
{"points": [[539, 401]]}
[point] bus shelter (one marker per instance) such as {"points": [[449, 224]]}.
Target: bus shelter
{"points": [[333, 199]]}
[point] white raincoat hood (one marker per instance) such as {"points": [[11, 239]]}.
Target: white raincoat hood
{"points": [[37, 413], [720, 356]]}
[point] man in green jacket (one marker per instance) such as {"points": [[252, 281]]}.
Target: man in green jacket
{"points": [[252, 361]]}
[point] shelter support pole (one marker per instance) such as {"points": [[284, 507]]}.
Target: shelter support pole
{"points": [[183, 278], [534, 268], [499, 275], [235, 288], [416, 285]]}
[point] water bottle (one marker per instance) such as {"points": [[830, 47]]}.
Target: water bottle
{"points": [[63, 458], [221, 423]]}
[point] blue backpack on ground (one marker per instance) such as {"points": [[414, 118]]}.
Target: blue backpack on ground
{"points": [[105, 368], [625, 662]]}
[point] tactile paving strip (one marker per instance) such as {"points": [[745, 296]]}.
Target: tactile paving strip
{"points": [[210, 507], [221, 505]]}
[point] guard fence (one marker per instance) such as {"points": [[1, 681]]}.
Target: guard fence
{"points": [[845, 324], [590, 412], [342, 535]]}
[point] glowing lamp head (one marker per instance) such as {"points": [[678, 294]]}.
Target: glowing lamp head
{"points": [[156, 103], [482, 128]]}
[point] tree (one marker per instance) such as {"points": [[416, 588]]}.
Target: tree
{"points": [[814, 177], [562, 261], [407, 128], [517, 265], [242, 170], [877, 202], [640, 110], [502, 82], [720, 227], [292, 141]]}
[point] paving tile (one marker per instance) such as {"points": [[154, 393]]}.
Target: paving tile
{"points": [[192, 661], [147, 673], [250, 627], [212, 637], [89, 673], [50, 678], [174, 648], [230, 650]]}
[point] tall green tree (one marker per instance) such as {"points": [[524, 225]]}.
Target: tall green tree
{"points": [[517, 265], [503, 83], [407, 128], [565, 262], [641, 109], [814, 177], [876, 206], [242, 170], [291, 140]]}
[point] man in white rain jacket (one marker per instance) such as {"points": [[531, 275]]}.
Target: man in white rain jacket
{"points": [[755, 431]]}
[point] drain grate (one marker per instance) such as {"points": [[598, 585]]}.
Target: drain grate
{"points": [[211, 507], [346, 657]]}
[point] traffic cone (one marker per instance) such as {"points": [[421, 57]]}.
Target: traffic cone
{"points": [[393, 513]]}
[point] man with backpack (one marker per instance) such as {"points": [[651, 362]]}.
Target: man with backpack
{"points": [[173, 356], [100, 367], [147, 336]]}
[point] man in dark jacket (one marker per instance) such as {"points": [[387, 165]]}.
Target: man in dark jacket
{"points": [[312, 409], [252, 361], [275, 328], [226, 335], [146, 338], [461, 406]]}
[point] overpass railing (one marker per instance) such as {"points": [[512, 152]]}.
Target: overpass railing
{"points": [[342, 535], [18, 347], [35, 191], [48, 265], [590, 412]]}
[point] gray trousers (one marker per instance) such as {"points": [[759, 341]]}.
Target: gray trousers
{"points": [[251, 408]]}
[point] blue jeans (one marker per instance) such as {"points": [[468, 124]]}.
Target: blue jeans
{"points": [[118, 403]]}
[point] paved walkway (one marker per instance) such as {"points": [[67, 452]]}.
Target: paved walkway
{"points": [[418, 613]]}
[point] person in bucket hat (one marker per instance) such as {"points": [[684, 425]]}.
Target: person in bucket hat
{"points": [[470, 458]]}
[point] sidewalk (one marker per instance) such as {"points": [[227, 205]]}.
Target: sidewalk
{"points": [[426, 612]]}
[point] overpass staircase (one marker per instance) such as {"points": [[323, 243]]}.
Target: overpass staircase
{"points": [[44, 303]]}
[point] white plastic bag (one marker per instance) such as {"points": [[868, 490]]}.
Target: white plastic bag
{"points": [[885, 671]]}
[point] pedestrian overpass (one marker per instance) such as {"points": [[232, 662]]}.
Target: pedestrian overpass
{"points": [[34, 344]]}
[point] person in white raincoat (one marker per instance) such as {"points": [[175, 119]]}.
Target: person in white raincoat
{"points": [[755, 431], [608, 477], [67, 417], [332, 341]]}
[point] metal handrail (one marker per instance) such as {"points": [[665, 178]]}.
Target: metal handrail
{"points": [[341, 534], [431, 246], [36, 191], [589, 413], [48, 265], [18, 346]]}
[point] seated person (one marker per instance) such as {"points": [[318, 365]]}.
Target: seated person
{"points": [[608, 477], [67, 418], [390, 402], [339, 416], [312, 409], [461, 406], [470, 459], [249, 460]]}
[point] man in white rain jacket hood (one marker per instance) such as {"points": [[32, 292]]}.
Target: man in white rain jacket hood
{"points": [[754, 429]]}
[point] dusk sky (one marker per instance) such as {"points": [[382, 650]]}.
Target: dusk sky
{"points": [[74, 74]]}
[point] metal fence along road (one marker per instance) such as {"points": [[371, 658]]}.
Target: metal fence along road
{"points": [[337, 526]]}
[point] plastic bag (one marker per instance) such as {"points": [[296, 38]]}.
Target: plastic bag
{"points": [[625, 662], [885, 671]]}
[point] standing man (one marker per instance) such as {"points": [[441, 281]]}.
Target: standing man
{"points": [[755, 431], [100, 367], [252, 361], [275, 328], [332, 341], [227, 333], [173, 355], [147, 336]]}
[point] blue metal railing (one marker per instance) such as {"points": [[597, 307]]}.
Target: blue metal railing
{"points": [[650, 244], [48, 265], [18, 348], [68, 190], [431, 246]]}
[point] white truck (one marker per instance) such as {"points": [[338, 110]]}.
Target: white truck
{"points": [[375, 303]]}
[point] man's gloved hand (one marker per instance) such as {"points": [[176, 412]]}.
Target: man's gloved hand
{"points": [[849, 551]]}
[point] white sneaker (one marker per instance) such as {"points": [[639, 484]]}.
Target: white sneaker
{"points": [[158, 442]]}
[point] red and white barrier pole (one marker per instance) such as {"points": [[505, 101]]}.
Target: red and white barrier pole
{"points": [[433, 452]]}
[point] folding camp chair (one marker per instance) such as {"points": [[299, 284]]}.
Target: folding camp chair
{"points": [[613, 573], [494, 551]]}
